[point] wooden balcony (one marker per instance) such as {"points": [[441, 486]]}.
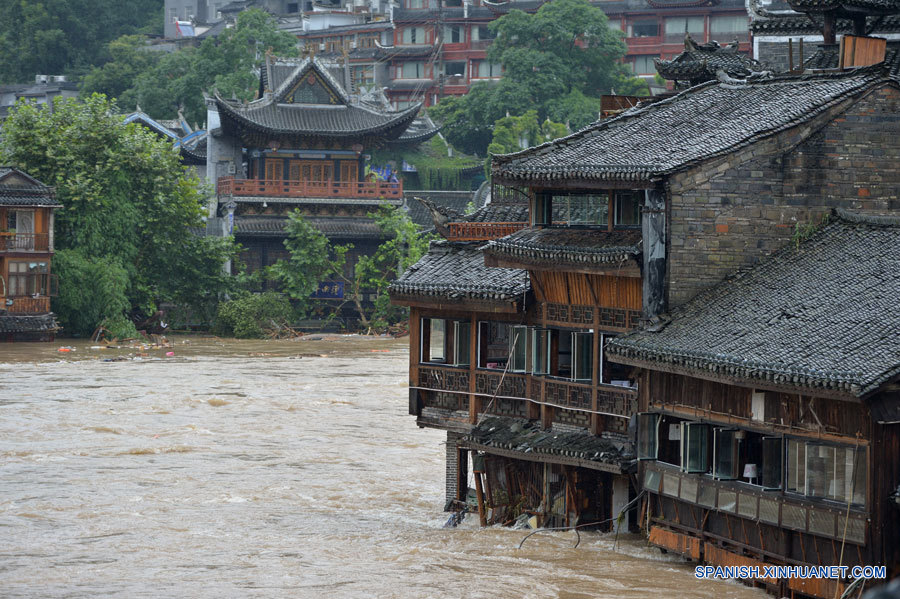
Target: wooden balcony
{"points": [[483, 231], [270, 188], [524, 396], [24, 242], [25, 306]]}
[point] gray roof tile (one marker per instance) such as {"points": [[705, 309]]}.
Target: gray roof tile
{"points": [[571, 246], [699, 123], [456, 272], [822, 315]]}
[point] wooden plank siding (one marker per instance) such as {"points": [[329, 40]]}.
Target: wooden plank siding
{"points": [[695, 397], [587, 290]]}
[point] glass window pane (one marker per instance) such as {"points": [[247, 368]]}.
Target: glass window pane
{"points": [[540, 349], [772, 457], [584, 356], [819, 469], [628, 208], [796, 474], [581, 209], [463, 340], [438, 340], [725, 451], [648, 436], [518, 341], [729, 24], [695, 444]]}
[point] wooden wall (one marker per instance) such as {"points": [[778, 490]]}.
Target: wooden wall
{"points": [[587, 290], [782, 410]]}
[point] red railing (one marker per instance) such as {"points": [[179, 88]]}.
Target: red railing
{"points": [[24, 242], [229, 186], [483, 231]]}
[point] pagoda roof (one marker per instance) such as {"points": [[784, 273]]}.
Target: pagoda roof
{"points": [[308, 102], [700, 62]]}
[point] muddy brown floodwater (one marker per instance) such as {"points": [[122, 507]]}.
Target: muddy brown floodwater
{"points": [[262, 469]]}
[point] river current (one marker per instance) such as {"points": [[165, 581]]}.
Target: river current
{"points": [[262, 469]]}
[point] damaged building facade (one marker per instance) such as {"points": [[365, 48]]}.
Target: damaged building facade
{"points": [[630, 220]]}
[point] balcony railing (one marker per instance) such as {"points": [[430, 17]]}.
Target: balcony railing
{"points": [[510, 394], [24, 242], [483, 231], [229, 186]]}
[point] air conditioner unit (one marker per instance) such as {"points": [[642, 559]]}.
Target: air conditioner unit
{"points": [[353, 44], [321, 47], [231, 168]]}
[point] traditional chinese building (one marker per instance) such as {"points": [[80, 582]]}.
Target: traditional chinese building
{"points": [[26, 252], [301, 146], [629, 218], [798, 34], [770, 420], [699, 63]]}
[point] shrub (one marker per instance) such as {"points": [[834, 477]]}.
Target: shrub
{"points": [[248, 317]]}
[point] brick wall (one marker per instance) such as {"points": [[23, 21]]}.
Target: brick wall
{"points": [[452, 468], [727, 214]]}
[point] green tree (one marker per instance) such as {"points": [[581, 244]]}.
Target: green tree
{"points": [[177, 80], [556, 62], [404, 246], [251, 315], [92, 293], [312, 260], [127, 200], [129, 59], [515, 133], [56, 37]]}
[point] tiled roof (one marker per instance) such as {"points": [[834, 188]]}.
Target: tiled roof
{"points": [[44, 323], [270, 115], [846, 6], [456, 272], [699, 62], [20, 189], [498, 213], [527, 436], [699, 123], [822, 315], [794, 24], [453, 202], [333, 228], [575, 246], [300, 119]]}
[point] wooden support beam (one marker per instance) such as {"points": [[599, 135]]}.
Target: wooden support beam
{"points": [[479, 494]]}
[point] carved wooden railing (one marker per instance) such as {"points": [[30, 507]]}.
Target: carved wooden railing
{"points": [[435, 379], [506, 398], [24, 242], [521, 395], [29, 305], [608, 318], [229, 186], [483, 231]]}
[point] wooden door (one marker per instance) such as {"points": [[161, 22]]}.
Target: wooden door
{"points": [[349, 171], [294, 170], [274, 169]]}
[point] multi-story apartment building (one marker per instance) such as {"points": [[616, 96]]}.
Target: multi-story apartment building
{"points": [[422, 50]]}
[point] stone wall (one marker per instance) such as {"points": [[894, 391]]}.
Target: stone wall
{"points": [[727, 214]]}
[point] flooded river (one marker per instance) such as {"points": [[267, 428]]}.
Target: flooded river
{"points": [[261, 469]]}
